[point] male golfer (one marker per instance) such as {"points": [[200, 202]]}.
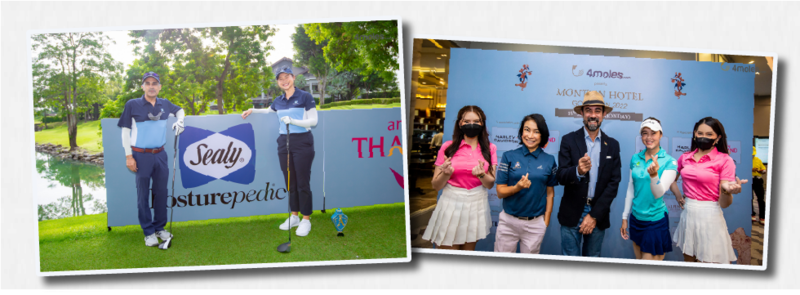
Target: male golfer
{"points": [[297, 108], [144, 133], [589, 169]]}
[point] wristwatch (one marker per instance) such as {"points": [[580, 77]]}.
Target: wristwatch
{"points": [[481, 175]]}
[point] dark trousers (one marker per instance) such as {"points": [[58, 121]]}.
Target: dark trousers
{"points": [[758, 188], [152, 166], [301, 155]]}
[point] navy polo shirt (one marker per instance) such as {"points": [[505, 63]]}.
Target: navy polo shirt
{"points": [[147, 133], [295, 107], [541, 169]]}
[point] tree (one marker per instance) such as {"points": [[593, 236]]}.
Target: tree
{"points": [[370, 46], [300, 82], [69, 62], [191, 83], [245, 50], [344, 85], [310, 54]]}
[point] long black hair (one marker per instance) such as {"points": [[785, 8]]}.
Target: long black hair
{"points": [[716, 125], [483, 137], [540, 124]]}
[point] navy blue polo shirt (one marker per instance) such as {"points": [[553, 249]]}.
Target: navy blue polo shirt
{"points": [[541, 169], [295, 107], [147, 133]]}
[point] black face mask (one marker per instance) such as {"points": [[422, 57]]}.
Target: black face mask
{"points": [[471, 130], [703, 143]]}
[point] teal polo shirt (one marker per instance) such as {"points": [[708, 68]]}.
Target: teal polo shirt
{"points": [[645, 206], [541, 169]]}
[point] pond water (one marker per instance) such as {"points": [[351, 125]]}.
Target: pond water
{"points": [[66, 188]]}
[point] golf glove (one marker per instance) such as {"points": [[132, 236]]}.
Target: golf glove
{"points": [[178, 127], [286, 120]]}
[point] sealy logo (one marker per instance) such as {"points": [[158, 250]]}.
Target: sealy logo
{"points": [[207, 156]]}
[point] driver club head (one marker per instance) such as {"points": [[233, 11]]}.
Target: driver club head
{"points": [[285, 247], [165, 244]]}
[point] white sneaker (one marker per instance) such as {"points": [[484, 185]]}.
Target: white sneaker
{"points": [[164, 235], [151, 240], [294, 220], [304, 228]]}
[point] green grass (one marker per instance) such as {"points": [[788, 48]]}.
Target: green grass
{"points": [[88, 137], [84, 243]]}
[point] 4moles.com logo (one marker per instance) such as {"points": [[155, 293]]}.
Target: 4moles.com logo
{"points": [[609, 74], [739, 68]]}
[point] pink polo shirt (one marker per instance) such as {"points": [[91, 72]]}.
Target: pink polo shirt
{"points": [[463, 161], [701, 178]]}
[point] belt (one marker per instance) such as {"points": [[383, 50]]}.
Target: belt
{"points": [[149, 151], [525, 218]]}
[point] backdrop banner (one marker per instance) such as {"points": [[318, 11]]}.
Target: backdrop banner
{"points": [[229, 166], [509, 85]]}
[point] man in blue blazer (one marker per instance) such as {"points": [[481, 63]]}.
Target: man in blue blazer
{"points": [[589, 169]]}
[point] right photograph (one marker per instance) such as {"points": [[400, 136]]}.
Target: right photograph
{"points": [[591, 152]]}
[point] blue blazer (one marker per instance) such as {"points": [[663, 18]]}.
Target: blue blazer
{"points": [[573, 147]]}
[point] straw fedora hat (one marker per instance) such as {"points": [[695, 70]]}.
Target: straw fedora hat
{"points": [[593, 98]]}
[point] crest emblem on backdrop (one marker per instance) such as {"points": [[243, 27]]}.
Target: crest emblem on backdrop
{"points": [[678, 84], [523, 77]]}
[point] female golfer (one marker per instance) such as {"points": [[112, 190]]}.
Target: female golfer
{"points": [[465, 170], [652, 174], [709, 183], [295, 107], [525, 180]]}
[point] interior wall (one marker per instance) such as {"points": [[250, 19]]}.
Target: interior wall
{"points": [[761, 111]]}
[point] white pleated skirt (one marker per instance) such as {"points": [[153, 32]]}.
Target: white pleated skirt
{"points": [[703, 233], [461, 216]]}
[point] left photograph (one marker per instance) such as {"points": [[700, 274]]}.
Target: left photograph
{"points": [[219, 146]]}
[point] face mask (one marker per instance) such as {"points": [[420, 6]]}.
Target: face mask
{"points": [[703, 143], [471, 130]]}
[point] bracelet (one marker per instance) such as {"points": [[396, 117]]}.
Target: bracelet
{"points": [[481, 175]]}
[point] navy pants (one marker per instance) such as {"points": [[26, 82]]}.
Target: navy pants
{"points": [[152, 166], [302, 155]]}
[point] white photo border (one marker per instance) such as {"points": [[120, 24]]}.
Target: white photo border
{"points": [[401, 86], [761, 267]]}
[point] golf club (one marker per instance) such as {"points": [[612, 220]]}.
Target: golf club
{"points": [[323, 168], [286, 247], [166, 244]]}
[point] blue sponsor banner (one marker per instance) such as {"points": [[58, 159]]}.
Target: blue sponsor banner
{"points": [[509, 85], [229, 166]]}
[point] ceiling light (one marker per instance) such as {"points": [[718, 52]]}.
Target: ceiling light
{"points": [[438, 58], [444, 54], [757, 73], [424, 83], [752, 61]]}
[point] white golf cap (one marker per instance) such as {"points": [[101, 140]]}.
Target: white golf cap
{"points": [[650, 123]]}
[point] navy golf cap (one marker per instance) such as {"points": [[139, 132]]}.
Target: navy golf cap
{"points": [[151, 74], [287, 70]]}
